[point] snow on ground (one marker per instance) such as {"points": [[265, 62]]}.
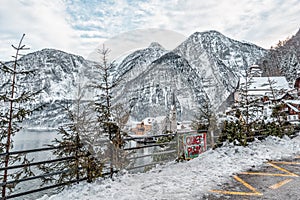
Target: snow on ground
{"points": [[186, 180]]}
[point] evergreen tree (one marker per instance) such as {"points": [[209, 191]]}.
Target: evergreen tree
{"points": [[17, 103], [249, 108], [76, 142], [206, 120], [202, 118], [251, 121], [108, 114]]}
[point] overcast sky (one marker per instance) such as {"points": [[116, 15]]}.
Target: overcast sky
{"points": [[79, 26]]}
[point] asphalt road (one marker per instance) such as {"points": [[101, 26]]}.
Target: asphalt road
{"points": [[275, 180]]}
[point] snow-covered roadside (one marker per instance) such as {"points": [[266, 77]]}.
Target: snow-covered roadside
{"points": [[187, 180]]}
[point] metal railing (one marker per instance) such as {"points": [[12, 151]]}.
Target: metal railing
{"points": [[142, 153], [40, 176]]}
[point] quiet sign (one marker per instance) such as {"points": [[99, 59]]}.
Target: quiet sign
{"points": [[194, 145]]}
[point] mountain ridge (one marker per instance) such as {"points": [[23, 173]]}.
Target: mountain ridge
{"points": [[213, 58], [204, 68]]}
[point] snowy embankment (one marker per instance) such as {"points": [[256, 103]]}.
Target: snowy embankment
{"points": [[186, 180]]}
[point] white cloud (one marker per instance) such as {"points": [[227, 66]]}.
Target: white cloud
{"points": [[79, 26], [261, 22], [43, 22], [137, 39]]}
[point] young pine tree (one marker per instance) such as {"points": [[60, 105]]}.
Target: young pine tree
{"points": [[16, 104], [76, 144], [110, 118]]}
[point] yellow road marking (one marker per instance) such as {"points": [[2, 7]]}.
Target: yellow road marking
{"points": [[237, 193], [247, 185], [279, 184], [282, 169], [287, 173], [254, 192], [265, 174], [286, 163]]}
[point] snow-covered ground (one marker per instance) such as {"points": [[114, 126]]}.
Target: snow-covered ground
{"points": [[186, 180]]}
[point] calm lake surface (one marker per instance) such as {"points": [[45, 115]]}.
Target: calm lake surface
{"points": [[33, 139]]}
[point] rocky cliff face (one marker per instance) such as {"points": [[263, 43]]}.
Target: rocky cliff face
{"points": [[219, 61], [137, 62], [150, 93], [205, 67], [58, 74]]}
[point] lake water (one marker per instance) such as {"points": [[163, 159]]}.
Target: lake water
{"points": [[33, 139]]}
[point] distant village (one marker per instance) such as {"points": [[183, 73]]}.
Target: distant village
{"points": [[265, 91], [268, 92], [160, 124]]}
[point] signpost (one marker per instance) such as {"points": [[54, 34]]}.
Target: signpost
{"points": [[194, 144]]}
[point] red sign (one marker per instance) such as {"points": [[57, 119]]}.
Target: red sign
{"points": [[194, 145]]}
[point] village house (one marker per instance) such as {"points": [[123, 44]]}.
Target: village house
{"points": [[160, 124], [156, 125], [143, 127], [291, 108], [263, 88], [268, 92]]}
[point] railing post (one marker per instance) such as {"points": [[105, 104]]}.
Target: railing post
{"points": [[178, 145], [212, 138], [3, 191]]}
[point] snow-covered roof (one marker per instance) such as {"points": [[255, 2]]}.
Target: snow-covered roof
{"points": [[261, 85], [297, 102], [293, 108], [278, 97], [184, 125]]}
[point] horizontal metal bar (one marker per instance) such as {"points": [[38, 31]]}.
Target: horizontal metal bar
{"points": [[164, 135], [36, 163], [149, 136], [147, 146], [154, 154], [35, 150], [37, 177], [44, 188], [108, 173], [140, 166]]}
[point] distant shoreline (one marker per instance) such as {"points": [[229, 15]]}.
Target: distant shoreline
{"points": [[39, 129]]}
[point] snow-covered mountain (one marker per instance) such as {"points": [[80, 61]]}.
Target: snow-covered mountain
{"points": [[138, 61], [205, 67], [58, 74], [150, 93], [219, 61]]}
